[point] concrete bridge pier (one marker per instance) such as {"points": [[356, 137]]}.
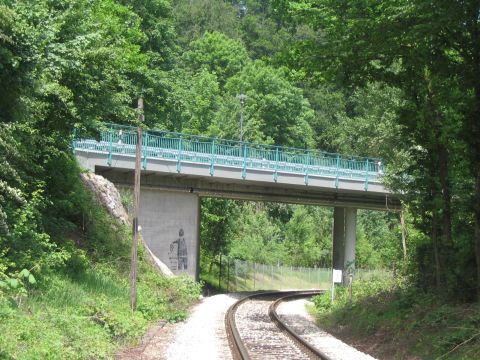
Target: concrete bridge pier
{"points": [[344, 240], [338, 237]]}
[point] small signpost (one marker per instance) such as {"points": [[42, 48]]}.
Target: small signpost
{"points": [[336, 278]]}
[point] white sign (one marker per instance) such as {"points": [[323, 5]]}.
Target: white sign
{"points": [[337, 276]]}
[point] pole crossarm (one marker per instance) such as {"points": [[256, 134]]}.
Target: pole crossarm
{"points": [[122, 140]]}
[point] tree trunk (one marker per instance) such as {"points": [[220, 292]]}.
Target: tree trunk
{"points": [[404, 234], [477, 239], [445, 185], [473, 131], [436, 255], [476, 170], [442, 156]]}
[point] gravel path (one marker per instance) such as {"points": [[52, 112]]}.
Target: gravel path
{"points": [[295, 315], [203, 335]]}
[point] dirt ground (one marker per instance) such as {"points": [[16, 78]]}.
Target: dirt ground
{"points": [[153, 345]]}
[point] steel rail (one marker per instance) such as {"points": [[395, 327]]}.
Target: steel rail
{"points": [[306, 346], [238, 348]]}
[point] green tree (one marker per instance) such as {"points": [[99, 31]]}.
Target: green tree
{"points": [[255, 237], [308, 236], [65, 64], [218, 54], [195, 18], [368, 124], [429, 51], [193, 102], [275, 110]]}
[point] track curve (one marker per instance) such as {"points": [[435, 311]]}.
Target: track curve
{"points": [[255, 331]]}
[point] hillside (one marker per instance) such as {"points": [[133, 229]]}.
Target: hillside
{"points": [[78, 308], [397, 81]]}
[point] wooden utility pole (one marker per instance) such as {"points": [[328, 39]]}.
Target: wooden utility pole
{"points": [[136, 200]]}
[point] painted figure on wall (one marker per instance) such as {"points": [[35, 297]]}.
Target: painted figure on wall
{"points": [[179, 258]]}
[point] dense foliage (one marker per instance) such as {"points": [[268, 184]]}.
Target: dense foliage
{"points": [[80, 308], [425, 55], [391, 79], [391, 320]]}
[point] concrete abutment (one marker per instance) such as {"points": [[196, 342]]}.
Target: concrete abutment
{"points": [[170, 225]]}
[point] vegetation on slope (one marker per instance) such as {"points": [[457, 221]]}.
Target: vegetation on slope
{"points": [[78, 307], [396, 321]]}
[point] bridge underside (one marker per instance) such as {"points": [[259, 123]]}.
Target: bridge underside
{"points": [[252, 190], [258, 184]]}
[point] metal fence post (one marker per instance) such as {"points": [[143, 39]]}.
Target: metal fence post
{"points": [[179, 159], [228, 273], [145, 150], [220, 272], [244, 169], [254, 274], [236, 274], [338, 165], [110, 147], [74, 138], [307, 168], [212, 159], [275, 174], [366, 176]]}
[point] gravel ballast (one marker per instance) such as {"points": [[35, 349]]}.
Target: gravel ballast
{"points": [[297, 317]]}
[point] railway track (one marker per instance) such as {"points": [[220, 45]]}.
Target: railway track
{"points": [[255, 331]]}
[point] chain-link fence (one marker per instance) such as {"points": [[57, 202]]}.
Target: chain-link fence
{"points": [[238, 275]]}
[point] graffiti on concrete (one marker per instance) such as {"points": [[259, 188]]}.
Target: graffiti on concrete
{"points": [[178, 253]]}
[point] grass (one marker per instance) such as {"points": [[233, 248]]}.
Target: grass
{"points": [[244, 277], [402, 322], [88, 316], [240, 275], [80, 310]]}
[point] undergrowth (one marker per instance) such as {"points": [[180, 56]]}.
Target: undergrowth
{"points": [[79, 308], [401, 322]]}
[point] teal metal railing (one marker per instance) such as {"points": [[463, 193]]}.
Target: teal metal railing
{"points": [[120, 139]]}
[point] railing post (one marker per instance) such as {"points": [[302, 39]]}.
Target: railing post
{"points": [[179, 158], [306, 168], [338, 166], [145, 141], [244, 169], [212, 159], [74, 139], [275, 174], [110, 147], [366, 176]]}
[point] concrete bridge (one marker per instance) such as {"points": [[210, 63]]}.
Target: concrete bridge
{"points": [[179, 169]]}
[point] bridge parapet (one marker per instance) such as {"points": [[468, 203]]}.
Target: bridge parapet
{"points": [[244, 156]]}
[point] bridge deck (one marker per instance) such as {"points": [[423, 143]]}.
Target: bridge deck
{"points": [[219, 168], [243, 156]]}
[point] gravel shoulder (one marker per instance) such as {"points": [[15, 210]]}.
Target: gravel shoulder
{"points": [[297, 317], [201, 336]]}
